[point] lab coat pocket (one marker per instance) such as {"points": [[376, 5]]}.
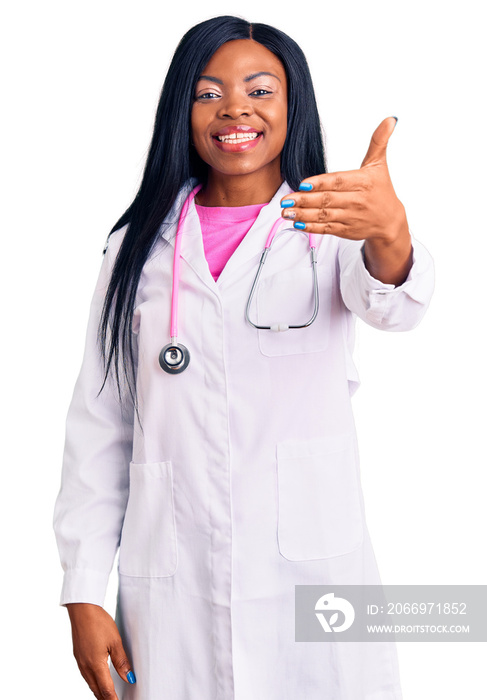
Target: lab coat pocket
{"points": [[287, 297], [148, 545], [319, 495]]}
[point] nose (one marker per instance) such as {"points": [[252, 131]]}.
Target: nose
{"points": [[236, 104]]}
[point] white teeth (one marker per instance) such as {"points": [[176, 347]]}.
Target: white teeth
{"points": [[238, 136]]}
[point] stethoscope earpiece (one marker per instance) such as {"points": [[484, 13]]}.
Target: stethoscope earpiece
{"points": [[174, 358]]}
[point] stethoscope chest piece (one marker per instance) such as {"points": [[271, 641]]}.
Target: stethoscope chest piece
{"points": [[174, 358]]}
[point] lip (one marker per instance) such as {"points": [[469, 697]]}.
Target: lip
{"points": [[228, 147], [235, 129], [236, 147]]}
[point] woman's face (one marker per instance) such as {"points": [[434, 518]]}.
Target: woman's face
{"points": [[239, 114]]}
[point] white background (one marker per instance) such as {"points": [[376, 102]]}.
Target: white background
{"points": [[81, 83]]}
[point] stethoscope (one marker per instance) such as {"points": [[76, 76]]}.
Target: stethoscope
{"points": [[174, 357]]}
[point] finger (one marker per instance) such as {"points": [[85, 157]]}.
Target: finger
{"points": [[332, 228], [342, 181], [120, 662], [91, 681], [315, 216], [105, 689], [100, 685], [378, 143], [320, 200]]}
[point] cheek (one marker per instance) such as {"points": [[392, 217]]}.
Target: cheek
{"points": [[197, 137], [193, 127], [284, 129], [281, 134], [197, 125], [279, 120]]}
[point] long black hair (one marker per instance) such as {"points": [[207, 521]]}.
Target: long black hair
{"points": [[172, 160]]}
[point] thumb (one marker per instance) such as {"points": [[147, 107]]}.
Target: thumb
{"points": [[120, 661], [379, 141]]}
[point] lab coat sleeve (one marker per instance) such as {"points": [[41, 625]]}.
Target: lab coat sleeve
{"points": [[91, 503], [381, 305]]}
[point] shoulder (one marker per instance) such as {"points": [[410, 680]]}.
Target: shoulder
{"points": [[114, 241]]}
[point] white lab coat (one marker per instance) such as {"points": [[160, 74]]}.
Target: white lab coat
{"points": [[227, 496]]}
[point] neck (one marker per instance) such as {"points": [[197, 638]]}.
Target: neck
{"points": [[237, 190]]}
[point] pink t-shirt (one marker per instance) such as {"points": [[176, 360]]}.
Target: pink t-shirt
{"points": [[223, 230]]}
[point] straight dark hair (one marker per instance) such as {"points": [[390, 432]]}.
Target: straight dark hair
{"points": [[172, 160]]}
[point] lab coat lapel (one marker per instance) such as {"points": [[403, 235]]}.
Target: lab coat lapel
{"points": [[253, 243], [192, 249]]}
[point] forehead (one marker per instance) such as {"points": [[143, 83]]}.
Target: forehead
{"points": [[244, 56]]}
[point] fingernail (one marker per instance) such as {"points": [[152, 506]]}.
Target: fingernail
{"points": [[305, 186], [289, 214], [288, 203], [131, 677], [396, 122], [300, 225]]}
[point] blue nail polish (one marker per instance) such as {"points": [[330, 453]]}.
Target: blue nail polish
{"points": [[300, 225], [287, 203], [131, 678], [305, 186]]}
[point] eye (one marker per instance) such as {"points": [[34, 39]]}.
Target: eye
{"points": [[207, 96], [260, 91]]}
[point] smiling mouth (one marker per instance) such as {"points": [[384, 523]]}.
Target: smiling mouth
{"points": [[237, 137]]}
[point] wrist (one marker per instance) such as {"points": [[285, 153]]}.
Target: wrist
{"points": [[83, 609], [395, 234], [389, 259]]}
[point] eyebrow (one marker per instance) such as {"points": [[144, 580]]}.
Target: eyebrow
{"points": [[257, 75], [212, 79]]}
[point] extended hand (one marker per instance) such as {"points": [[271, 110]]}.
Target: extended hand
{"points": [[356, 204], [359, 205], [95, 637]]}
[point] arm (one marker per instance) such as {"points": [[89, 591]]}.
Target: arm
{"points": [[91, 503], [90, 507], [381, 304], [390, 260], [386, 277]]}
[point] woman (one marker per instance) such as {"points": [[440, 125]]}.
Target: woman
{"points": [[237, 478]]}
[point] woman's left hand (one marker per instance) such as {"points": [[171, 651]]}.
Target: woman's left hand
{"points": [[359, 205]]}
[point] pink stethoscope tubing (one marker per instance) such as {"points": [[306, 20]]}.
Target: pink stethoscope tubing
{"points": [[176, 265], [174, 357]]}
